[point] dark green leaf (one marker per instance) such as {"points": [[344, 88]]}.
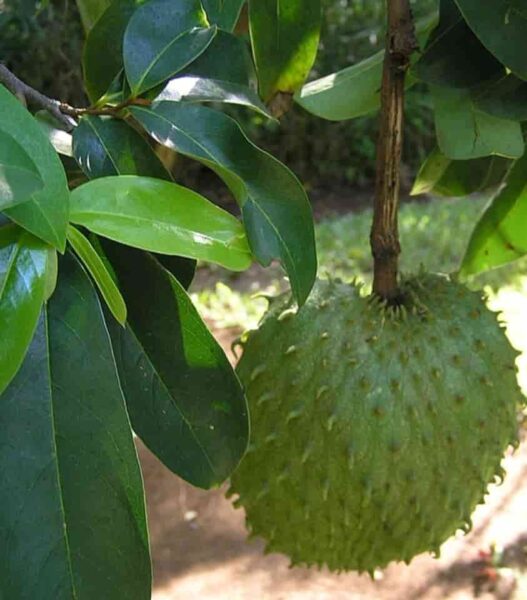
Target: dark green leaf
{"points": [[354, 91], [502, 27], [52, 273], [73, 517], [161, 39], [285, 38], [465, 132], [499, 236], [274, 205], [196, 89], [105, 146], [19, 176], [46, 214], [183, 269], [23, 265], [454, 56], [227, 58], [223, 13], [162, 217], [505, 98], [183, 397], [103, 51], [442, 176], [97, 269]]}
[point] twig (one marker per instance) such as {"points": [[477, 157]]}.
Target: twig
{"points": [[32, 96], [400, 44], [63, 112]]}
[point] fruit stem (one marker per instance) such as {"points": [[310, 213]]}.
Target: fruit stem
{"points": [[384, 238]]}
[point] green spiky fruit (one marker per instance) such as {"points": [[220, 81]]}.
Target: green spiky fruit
{"points": [[375, 431]]}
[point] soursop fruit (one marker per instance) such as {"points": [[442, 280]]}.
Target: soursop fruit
{"points": [[375, 430]]}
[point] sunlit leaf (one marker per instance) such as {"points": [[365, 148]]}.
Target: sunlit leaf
{"points": [[499, 237], [97, 269], [23, 265], [197, 89], [354, 91], [161, 217], [46, 213], [285, 38]]}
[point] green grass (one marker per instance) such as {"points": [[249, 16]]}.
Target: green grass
{"points": [[433, 235]]}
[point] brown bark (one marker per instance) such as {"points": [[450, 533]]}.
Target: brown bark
{"points": [[384, 238]]}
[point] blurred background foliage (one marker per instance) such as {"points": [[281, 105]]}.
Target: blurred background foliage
{"points": [[42, 43]]}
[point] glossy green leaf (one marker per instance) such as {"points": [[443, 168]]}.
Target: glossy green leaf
{"points": [[23, 265], [109, 147], [353, 91], [454, 56], [105, 146], [275, 207], [46, 213], [501, 25], [465, 132], [161, 39], [284, 38], [499, 237], [349, 93], [103, 51], [52, 274], [184, 400], [73, 517], [442, 176], [505, 98], [227, 58], [19, 176], [90, 11], [161, 217], [97, 269], [196, 89], [223, 13]]}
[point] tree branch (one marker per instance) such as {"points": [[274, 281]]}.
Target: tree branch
{"points": [[384, 238], [63, 112]]}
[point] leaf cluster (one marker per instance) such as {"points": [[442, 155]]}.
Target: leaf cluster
{"points": [[471, 60], [98, 245]]}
